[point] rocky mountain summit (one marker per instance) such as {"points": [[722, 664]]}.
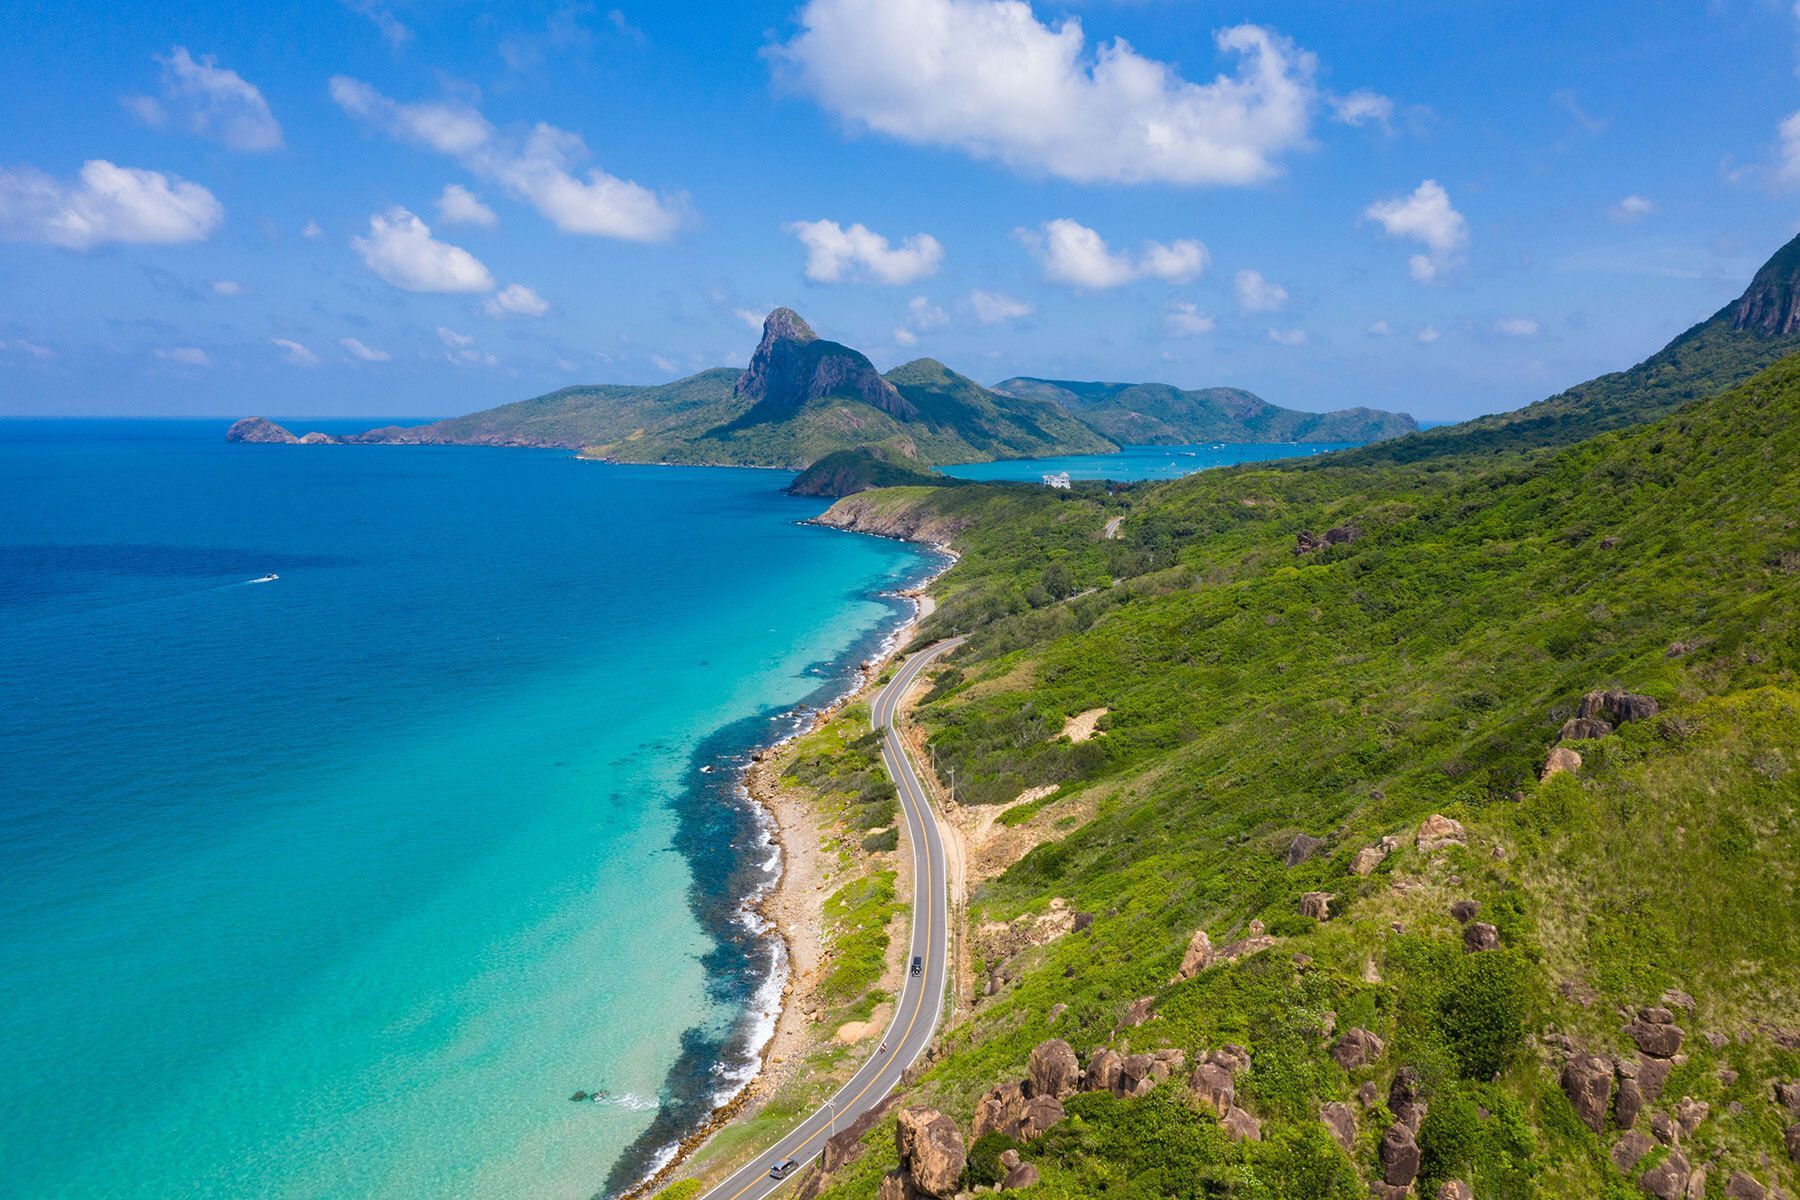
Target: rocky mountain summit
{"points": [[1770, 306], [793, 365]]}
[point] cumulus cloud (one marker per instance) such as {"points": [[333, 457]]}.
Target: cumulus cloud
{"points": [[401, 250], [1428, 335], [1072, 253], [921, 313], [209, 101], [311, 230], [296, 354], [516, 300], [459, 206], [1363, 107], [835, 254], [1381, 329], [1257, 294], [1519, 327], [1632, 208], [996, 308], [1425, 216], [453, 339], [988, 78], [383, 19], [104, 203], [750, 317], [1288, 337], [537, 166], [186, 356], [1185, 319], [460, 349], [227, 287], [365, 353]]}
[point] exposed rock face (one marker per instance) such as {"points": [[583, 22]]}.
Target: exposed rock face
{"points": [[1022, 1175], [1364, 861], [1478, 936], [1579, 729], [1316, 905], [1744, 1187], [1303, 847], [259, 430], [1455, 1189], [1656, 1033], [1559, 760], [1199, 955], [1254, 941], [1306, 543], [1690, 1113], [1630, 1148], [1399, 1156], [1668, 1180], [1771, 305], [999, 1110], [1240, 1126], [1357, 1048], [1053, 1070], [931, 1150], [1340, 1122], [1617, 707], [844, 1148], [1787, 1094], [1793, 1143], [1405, 1100], [1438, 831], [1628, 1102], [1102, 1071], [1138, 1012], [1214, 1087], [317, 439], [1652, 1074], [1587, 1081], [792, 365], [1464, 911]]}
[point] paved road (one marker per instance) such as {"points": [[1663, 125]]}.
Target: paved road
{"points": [[921, 996]]}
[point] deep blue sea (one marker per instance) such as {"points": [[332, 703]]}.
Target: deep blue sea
{"points": [[1143, 462], [340, 885]]}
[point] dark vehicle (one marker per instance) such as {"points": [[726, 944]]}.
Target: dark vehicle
{"points": [[918, 966], [782, 1170]]}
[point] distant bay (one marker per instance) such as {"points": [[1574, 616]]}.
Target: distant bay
{"points": [[342, 883], [1142, 462]]}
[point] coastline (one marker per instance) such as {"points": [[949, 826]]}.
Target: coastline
{"points": [[783, 911]]}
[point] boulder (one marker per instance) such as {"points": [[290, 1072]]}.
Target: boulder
{"points": [[1479, 936], [1464, 911], [1652, 1074], [896, 1185], [1199, 955], [1364, 861], [1102, 1073], [1341, 535], [1083, 922], [1232, 1057], [1559, 760], [1792, 1138], [1455, 1189], [1053, 1070], [1404, 1099], [931, 1150], [1628, 1102], [1009, 1159], [1244, 947], [1581, 729], [1214, 1087], [1357, 1048], [1629, 1149], [1399, 1155], [1240, 1126], [1316, 905], [1023, 1175], [1041, 1112], [1668, 1179], [1139, 1073], [1787, 1094], [1745, 1187], [1340, 1122], [1587, 1081], [1138, 1012], [1690, 1113], [1000, 1110], [1656, 1033], [1303, 847], [1665, 1129], [1618, 707], [1438, 831]]}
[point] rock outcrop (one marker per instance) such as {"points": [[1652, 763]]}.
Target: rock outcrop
{"points": [[1199, 956], [1303, 847], [1560, 759], [1669, 1179], [1364, 861], [1478, 936], [1617, 707], [1316, 905], [1400, 1156], [793, 366], [1357, 1048], [259, 430], [1340, 1121], [1053, 1070], [1438, 831], [1587, 1081], [932, 1156], [1656, 1033]]}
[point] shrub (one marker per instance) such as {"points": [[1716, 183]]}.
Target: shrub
{"points": [[983, 1168], [1482, 1012], [882, 840]]}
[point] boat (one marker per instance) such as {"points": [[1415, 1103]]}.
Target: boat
{"points": [[271, 577]]}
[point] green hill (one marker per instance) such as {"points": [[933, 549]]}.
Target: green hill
{"points": [[1291, 665], [847, 472], [1145, 414]]}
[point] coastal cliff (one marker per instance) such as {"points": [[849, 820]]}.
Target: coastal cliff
{"points": [[907, 513]]}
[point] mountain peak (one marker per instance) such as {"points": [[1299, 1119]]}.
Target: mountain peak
{"points": [[1770, 306], [793, 365], [786, 325]]}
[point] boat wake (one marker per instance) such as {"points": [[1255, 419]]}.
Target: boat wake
{"points": [[271, 577]]}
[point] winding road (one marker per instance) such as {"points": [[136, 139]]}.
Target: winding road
{"points": [[921, 999]]}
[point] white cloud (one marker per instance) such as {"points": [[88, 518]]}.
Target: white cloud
{"points": [[921, 313], [662, 363], [460, 349], [1256, 294], [459, 206], [1072, 253], [105, 203], [834, 253], [401, 250], [994, 308], [311, 230], [1381, 329], [1363, 107], [1632, 208], [905, 336], [390, 26], [750, 317], [296, 354], [227, 287], [1519, 327], [29, 349], [536, 166], [516, 300], [1787, 166], [1425, 216], [986, 77], [1428, 335], [186, 356], [1185, 319], [356, 348], [453, 339], [210, 102], [1288, 337]]}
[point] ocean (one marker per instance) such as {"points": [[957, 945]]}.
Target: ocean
{"points": [[1143, 462], [342, 883]]}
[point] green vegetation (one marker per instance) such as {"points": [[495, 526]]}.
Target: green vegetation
{"points": [[846, 472], [1424, 665], [856, 922], [1146, 414]]}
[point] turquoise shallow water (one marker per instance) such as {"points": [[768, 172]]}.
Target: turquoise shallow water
{"points": [[340, 885], [1143, 462]]}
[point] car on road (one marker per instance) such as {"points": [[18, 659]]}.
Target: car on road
{"points": [[783, 1169], [918, 967]]}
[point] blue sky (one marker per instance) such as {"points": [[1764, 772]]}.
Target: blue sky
{"points": [[423, 208]]}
